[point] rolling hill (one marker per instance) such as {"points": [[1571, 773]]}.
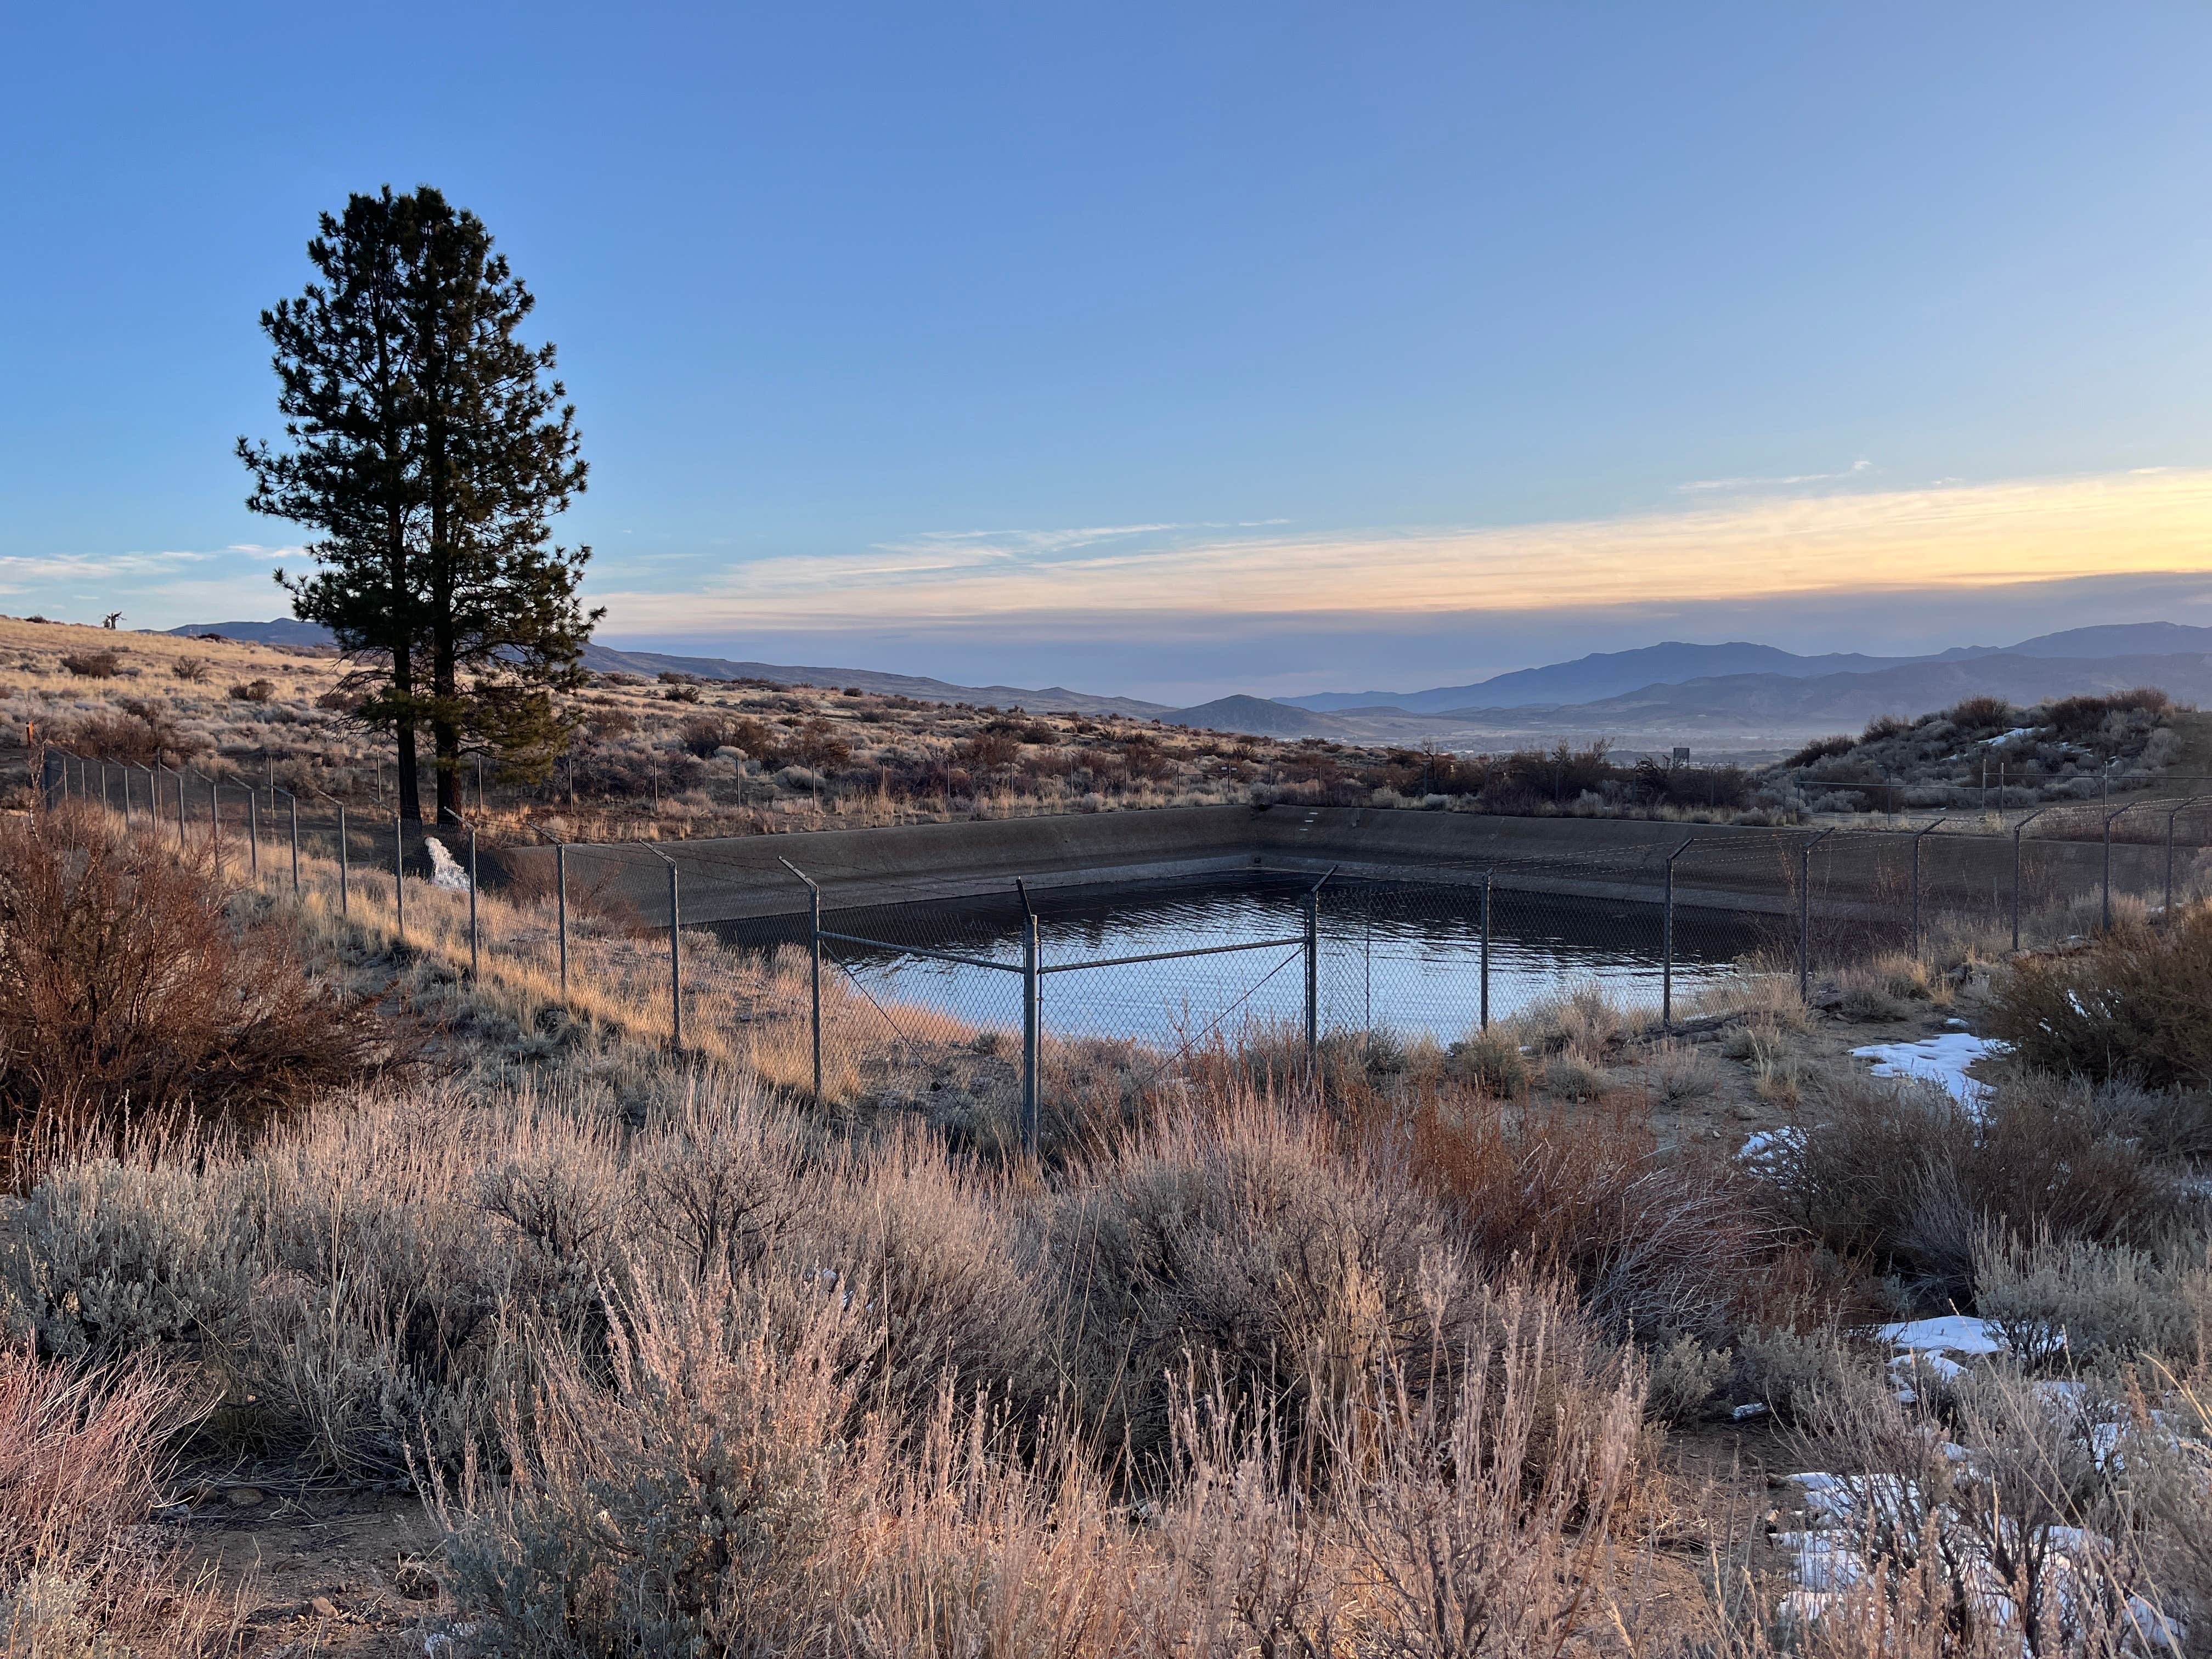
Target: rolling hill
{"points": [[606, 659], [1610, 674]]}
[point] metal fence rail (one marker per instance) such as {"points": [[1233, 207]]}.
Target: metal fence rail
{"points": [[1028, 998]]}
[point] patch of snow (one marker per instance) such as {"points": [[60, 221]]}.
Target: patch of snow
{"points": [[1949, 1334], [1756, 1408], [1939, 1060], [1762, 1147]]}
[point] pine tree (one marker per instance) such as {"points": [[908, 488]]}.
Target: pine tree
{"points": [[466, 620], [353, 471]]}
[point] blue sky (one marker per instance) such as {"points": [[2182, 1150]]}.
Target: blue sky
{"points": [[1180, 350]]}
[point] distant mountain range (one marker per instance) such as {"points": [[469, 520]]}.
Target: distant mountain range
{"points": [[1611, 674], [604, 659], [1738, 695]]}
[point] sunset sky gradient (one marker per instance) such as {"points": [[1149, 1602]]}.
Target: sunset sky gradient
{"points": [[1180, 350]]}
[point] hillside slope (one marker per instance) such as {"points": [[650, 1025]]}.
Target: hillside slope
{"points": [[1776, 702], [649, 664]]}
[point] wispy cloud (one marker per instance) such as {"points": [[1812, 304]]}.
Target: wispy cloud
{"points": [[26, 575], [1847, 541], [1857, 468], [1018, 544]]}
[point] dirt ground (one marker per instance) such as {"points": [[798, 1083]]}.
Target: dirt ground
{"points": [[319, 1569]]}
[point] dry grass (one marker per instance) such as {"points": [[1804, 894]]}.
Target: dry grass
{"points": [[689, 1365], [716, 1495], [83, 1454]]}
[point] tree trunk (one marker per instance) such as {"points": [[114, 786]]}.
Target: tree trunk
{"points": [[411, 791], [445, 739]]}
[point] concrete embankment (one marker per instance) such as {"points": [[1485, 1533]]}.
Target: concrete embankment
{"points": [[1727, 868]]}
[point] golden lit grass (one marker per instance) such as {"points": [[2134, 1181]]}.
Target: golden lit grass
{"points": [[638, 784], [82, 1455], [741, 1008]]}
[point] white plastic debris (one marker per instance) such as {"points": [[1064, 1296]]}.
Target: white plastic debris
{"points": [[444, 871]]}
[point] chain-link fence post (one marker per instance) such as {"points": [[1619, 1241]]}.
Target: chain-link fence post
{"points": [[399, 875], [675, 954], [2167, 910], [253, 833], [293, 802], [560, 908], [1032, 1020], [814, 956], [215, 822], [345, 860], [1805, 914], [1916, 835], [1486, 949], [2016, 830], [472, 901], [1312, 951], [1667, 966], [2104, 923]]}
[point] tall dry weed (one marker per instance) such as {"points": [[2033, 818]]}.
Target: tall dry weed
{"points": [[83, 1454]]}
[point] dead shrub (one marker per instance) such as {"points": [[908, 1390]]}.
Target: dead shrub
{"points": [[253, 690], [726, 1183], [125, 989], [719, 1488], [1239, 1243], [1682, 1074], [1481, 1526], [1573, 1075], [1585, 1019], [1651, 1245], [918, 1234], [702, 734], [190, 669], [2007, 1509], [1907, 1178], [93, 664], [140, 735], [2136, 1005], [1492, 1059], [2167, 1123], [687, 1505]]}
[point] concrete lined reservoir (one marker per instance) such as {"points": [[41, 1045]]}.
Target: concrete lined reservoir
{"points": [[1404, 957]]}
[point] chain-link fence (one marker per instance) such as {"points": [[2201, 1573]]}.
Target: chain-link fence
{"points": [[1027, 1000]]}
